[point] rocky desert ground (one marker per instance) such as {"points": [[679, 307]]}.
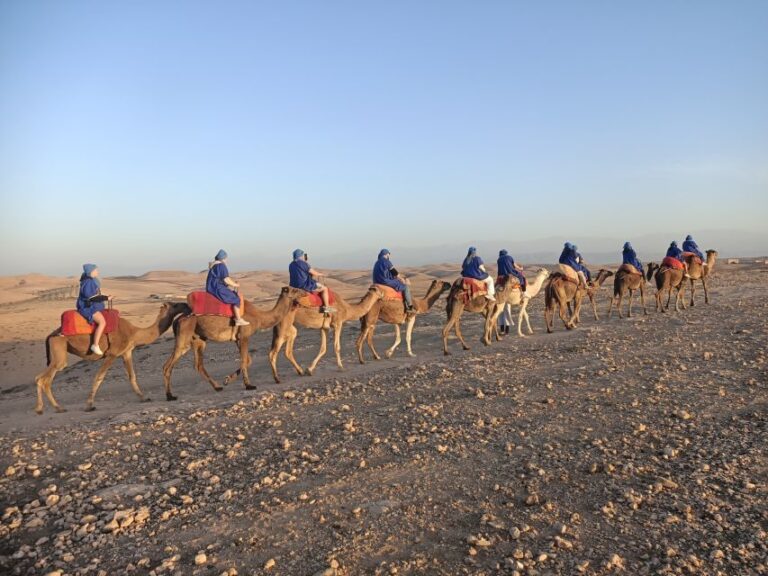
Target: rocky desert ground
{"points": [[627, 446]]}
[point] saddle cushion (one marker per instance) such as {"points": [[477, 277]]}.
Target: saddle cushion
{"points": [[693, 256], [390, 294], [629, 269], [312, 300], [670, 262], [503, 280], [73, 323], [562, 276], [205, 304], [472, 288]]}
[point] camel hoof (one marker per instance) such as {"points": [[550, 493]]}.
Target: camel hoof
{"points": [[90, 408], [250, 387], [59, 409], [39, 411], [446, 353], [388, 354], [226, 381], [171, 397], [218, 388], [411, 355], [145, 400]]}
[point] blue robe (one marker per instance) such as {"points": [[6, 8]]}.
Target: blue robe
{"points": [[470, 268], [89, 288], [215, 285], [580, 266], [628, 256], [691, 246], [300, 276], [506, 265], [568, 257], [676, 253], [382, 274]]}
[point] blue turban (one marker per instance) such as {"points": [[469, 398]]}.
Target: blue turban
{"points": [[471, 250], [383, 252], [503, 252], [627, 246], [688, 238], [298, 253], [674, 243], [221, 254], [88, 268]]}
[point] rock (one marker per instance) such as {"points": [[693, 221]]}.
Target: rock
{"points": [[269, 564], [201, 559]]}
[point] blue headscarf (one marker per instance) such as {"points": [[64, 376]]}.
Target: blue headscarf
{"points": [[87, 271], [627, 246], [470, 254], [221, 255], [503, 252], [688, 238], [298, 253], [673, 244], [383, 252]]}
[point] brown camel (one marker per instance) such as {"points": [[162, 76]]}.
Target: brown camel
{"points": [[285, 332], [666, 280], [512, 295], [456, 307], [699, 272], [195, 331], [624, 282], [118, 344], [562, 292], [393, 312]]}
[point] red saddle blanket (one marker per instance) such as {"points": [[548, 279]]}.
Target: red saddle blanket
{"points": [[312, 300], [670, 262], [695, 257], [73, 323], [472, 288], [205, 304], [390, 294]]}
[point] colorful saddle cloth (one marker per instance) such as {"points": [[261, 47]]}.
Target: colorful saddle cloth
{"points": [[502, 281], [205, 304], [472, 288], [390, 294], [312, 300], [73, 323], [694, 257], [670, 262]]}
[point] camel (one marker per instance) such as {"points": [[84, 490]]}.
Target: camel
{"points": [[195, 331], [393, 312], [624, 282], [285, 332], [118, 344], [456, 307], [516, 297], [698, 272], [562, 292], [667, 279]]}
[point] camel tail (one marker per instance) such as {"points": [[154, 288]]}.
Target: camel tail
{"points": [[48, 350]]}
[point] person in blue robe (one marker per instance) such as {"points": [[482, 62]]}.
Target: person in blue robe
{"points": [[582, 265], [304, 277], [90, 303], [473, 267], [219, 284], [689, 245], [569, 263], [674, 252], [384, 272], [508, 267], [629, 258]]}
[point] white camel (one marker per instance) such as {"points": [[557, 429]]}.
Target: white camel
{"points": [[516, 297]]}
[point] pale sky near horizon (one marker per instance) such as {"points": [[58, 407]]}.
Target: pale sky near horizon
{"points": [[144, 135]]}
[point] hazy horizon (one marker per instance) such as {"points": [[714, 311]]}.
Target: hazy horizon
{"points": [[148, 135]]}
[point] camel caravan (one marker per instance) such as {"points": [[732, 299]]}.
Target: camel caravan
{"points": [[94, 331]]}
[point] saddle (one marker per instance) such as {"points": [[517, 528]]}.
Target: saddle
{"points": [[670, 262], [694, 257], [629, 269], [73, 323], [501, 282], [562, 276], [472, 288], [204, 304], [312, 300], [390, 294]]}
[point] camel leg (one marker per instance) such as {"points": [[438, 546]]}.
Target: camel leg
{"points": [[629, 311], [245, 362], [450, 323], [97, 380], [693, 291], [337, 345], [321, 352], [459, 335], [278, 339], [594, 308], [563, 308], [523, 316], [409, 334], [198, 346], [391, 349], [360, 342], [369, 340], [549, 316], [57, 350], [610, 305], [706, 294], [185, 332]]}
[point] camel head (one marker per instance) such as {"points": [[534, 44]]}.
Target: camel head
{"points": [[438, 287], [602, 275], [376, 290], [542, 273], [712, 255], [652, 267], [292, 294]]}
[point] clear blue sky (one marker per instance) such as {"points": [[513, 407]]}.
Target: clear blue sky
{"points": [[149, 134]]}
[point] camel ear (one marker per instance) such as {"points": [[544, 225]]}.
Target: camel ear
{"points": [[284, 290]]}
